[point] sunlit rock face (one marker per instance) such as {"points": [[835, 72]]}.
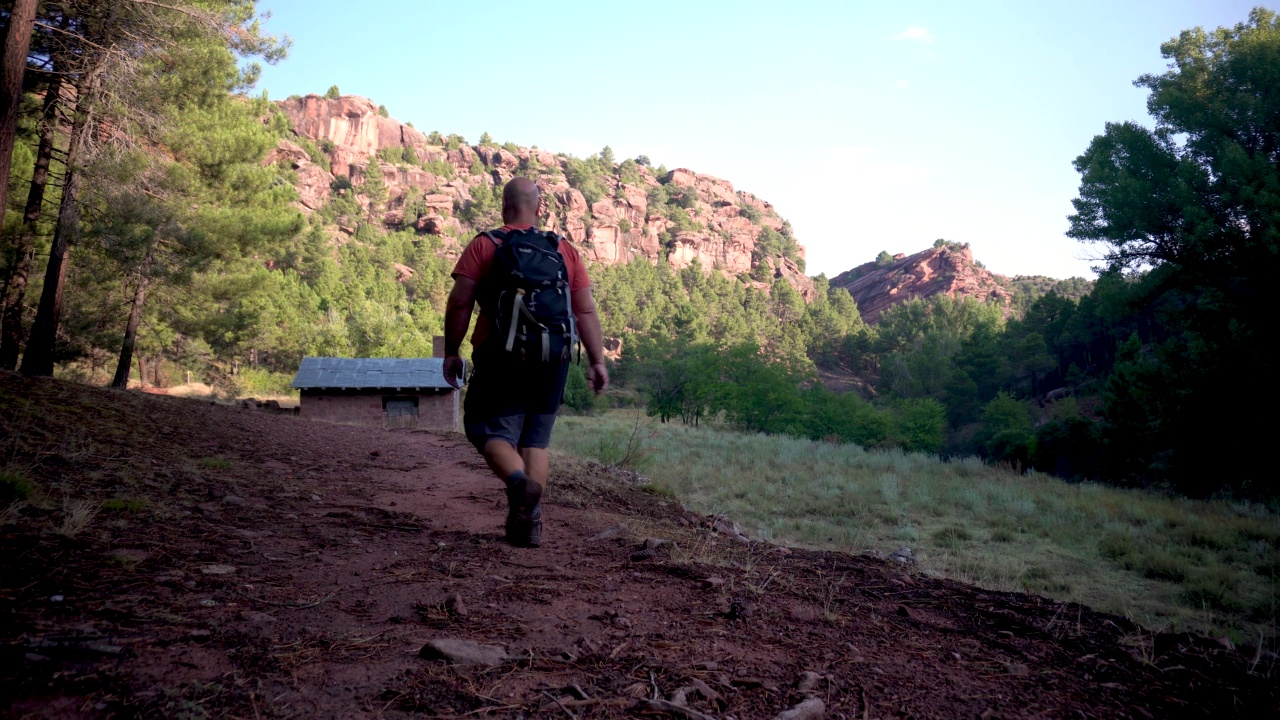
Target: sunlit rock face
{"points": [[947, 270], [617, 228]]}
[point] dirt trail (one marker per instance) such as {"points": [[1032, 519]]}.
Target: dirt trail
{"points": [[257, 566]]}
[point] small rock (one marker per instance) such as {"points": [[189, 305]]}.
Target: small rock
{"points": [[722, 525], [200, 635], [905, 612], [811, 709], [709, 665], [455, 605], [803, 613], [218, 569], [208, 602], [1018, 669], [257, 618], [713, 582], [808, 681], [621, 622], [463, 652], [705, 690], [57, 598], [1225, 642], [642, 555], [611, 532], [654, 543], [35, 658], [315, 497], [902, 556]]}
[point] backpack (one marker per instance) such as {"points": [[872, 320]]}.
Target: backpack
{"points": [[526, 294]]}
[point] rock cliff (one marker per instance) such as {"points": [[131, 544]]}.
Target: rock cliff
{"points": [[432, 184], [947, 269]]}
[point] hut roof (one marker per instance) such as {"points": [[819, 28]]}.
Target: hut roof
{"points": [[372, 373]]}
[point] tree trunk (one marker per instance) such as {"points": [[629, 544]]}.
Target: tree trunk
{"points": [[38, 358], [22, 20], [11, 332], [131, 337]]}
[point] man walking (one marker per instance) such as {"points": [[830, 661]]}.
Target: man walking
{"points": [[535, 303]]}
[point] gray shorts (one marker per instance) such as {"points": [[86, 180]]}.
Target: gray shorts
{"points": [[512, 400], [521, 431]]}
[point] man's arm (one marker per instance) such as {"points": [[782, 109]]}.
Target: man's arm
{"points": [[584, 309], [457, 318]]}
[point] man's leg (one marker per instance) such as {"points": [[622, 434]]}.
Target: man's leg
{"points": [[503, 458], [524, 515], [536, 465]]}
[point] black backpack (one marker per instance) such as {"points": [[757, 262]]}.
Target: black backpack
{"points": [[526, 294]]}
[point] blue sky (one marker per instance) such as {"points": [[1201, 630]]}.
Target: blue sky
{"points": [[869, 125]]}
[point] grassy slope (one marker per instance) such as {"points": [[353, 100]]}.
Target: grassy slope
{"points": [[1166, 562]]}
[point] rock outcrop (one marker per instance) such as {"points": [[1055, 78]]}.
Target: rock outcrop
{"points": [[948, 269], [431, 187]]}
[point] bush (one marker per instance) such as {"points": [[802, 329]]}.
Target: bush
{"points": [[333, 93], [918, 424], [577, 393], [1007, 432], [14, 486]]}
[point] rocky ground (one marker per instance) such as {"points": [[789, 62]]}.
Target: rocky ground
{"points": [[182, 560]]}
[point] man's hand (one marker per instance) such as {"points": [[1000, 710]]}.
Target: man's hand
{"points": [[453, 369], [597, 377]]}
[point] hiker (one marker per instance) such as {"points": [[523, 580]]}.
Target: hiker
{"points": [[535, 303]]}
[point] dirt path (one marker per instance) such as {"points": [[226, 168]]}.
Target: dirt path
{"points": [[256, 566]]}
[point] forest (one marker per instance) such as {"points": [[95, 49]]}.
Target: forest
{"points": [[145, 237]]}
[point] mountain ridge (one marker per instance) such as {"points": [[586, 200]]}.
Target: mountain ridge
{"points": [[614, 212], [947, 268]]}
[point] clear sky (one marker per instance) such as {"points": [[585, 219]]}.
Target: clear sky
{"points": [[869, 125]]}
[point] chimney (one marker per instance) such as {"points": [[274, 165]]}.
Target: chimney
{"points": [[437, 346]]}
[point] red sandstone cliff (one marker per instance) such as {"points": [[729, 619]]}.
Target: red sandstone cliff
{"points": [[617, 228], [945, 270]]}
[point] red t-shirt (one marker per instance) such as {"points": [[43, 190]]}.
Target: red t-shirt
{"points": [[477, 259]]}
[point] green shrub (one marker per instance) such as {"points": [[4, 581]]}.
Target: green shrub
{"points": [[14, 486], [918, 424], [578, 395], [1212, 588], [440, 168], [333, 93], [130, 505], [1158, 565], [952, 536]]}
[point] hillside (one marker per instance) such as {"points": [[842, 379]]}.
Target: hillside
{"points": [[614, 212], [945, 269], [176, 559]]}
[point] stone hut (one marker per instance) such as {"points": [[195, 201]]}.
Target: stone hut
{"points": [[379, 392]]}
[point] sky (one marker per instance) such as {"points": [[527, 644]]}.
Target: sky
{"points": [[869, 125]]}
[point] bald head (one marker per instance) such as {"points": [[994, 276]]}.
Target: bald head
{"points": [[520, 202]]}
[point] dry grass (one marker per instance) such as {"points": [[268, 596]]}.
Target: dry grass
{"points": [[1165, 561], [76, 516]]}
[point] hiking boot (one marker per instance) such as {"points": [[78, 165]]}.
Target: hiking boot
{"points": [[524, 513]]}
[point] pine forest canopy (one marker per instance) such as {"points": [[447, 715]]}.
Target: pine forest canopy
{"points": [[194, 226]]}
